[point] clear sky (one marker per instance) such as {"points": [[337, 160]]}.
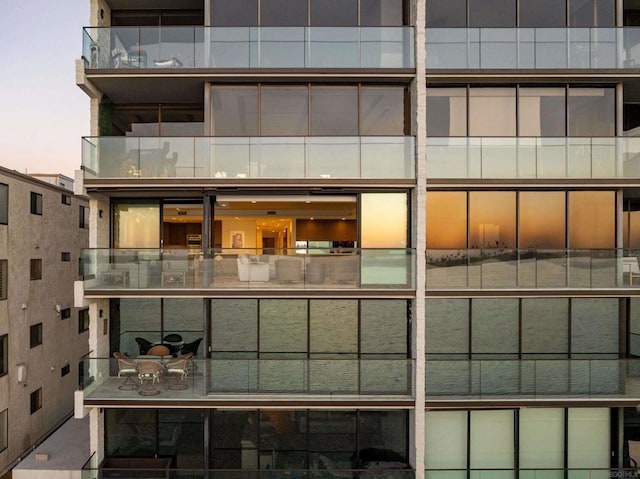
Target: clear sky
{"points": [[43, 114]]}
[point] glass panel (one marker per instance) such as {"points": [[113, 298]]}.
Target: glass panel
{"points": [[494, 327], [446, 219], [234, 439], [588, 434], [496, 104], [592, 13], [446, 441], [382, 111], [634, 327], [446, 112], [492, 13], [182, 317], [381, 13], [492, 216], [182, 121], [234, 111], [333, 327], [542, 439], [446, 13], [332, 438], [384, 220], [130, 433], [591, 219], [286, 13], [284, 111], [177, 427], [542, 112], [383, 327], [139, 326], [591, 111], [545, 327], [542, 220], [594, 326], [234, 326], [283, 326], [334, 111], [542, 13], [382, 436], [136, 225], [447, 327], [334, 13], [234, 13], [492, 441]]}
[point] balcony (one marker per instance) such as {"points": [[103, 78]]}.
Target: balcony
{"points": [[181, 48], [252, 379], [533, 158], [532, 379], [505, 268], [533, 48], [120, 270], [233, 158]]}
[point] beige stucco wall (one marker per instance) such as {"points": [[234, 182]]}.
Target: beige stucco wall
{"points": [[28, 236]]}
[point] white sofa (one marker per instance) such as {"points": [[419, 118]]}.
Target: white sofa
{"points": [[250, 269]]}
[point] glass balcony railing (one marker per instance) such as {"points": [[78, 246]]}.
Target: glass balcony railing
{"points": [[533, 48], [507, 268], [529, 473], [110, 379], [128, 470], [533, 157], [144, 269], [248, 47], [531, 378], [342, 157]]}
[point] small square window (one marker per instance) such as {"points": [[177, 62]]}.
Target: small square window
{"points": [[83, 320], [65, 313], [36, 203], [84, 217], [36, 400], [4, 354], [65, 370], [4, 204], [66, 199], [35, 335], [36, 269], [65, 256]]}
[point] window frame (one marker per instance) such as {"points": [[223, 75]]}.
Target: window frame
{"points": [[4, 427], [35, 335], [35, 269], [4, 279], [83, 320], [66, 199], [36, 203], [65, 256], [35, 400], [4, 355], [65, 313], [4, 204], [83, 220]]}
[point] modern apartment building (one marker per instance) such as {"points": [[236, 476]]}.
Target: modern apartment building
{"points": [[399, 238], [43, 229]]}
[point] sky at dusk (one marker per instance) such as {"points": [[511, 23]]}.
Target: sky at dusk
{"points": [[43, 114]]}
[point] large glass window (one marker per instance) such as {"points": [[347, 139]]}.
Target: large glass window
{"points": [[446, 13], [234, 325], [136, 225], [542, 219], [594, 327], [588, 443], [448, 327], [492, 13], [591, 219], [234, 111], [591, 112], [334, 13], [541, 112], [383, 220], [287, 13], [541, 439], [545, 327], [446, 219], [446, 111], [284, 111], [494, 323], [591, 13], [492, 219], [234, 13], [334, 111], [381, 12], [333, 328], [383, 328], [382, 111], [491, 441], [542, 13], [283, 327], [492, 112]]}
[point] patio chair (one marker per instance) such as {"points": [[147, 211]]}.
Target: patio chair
{"points": [[191, 347], [176, 372], [149, 374], [127, 368], [159, 350]]}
